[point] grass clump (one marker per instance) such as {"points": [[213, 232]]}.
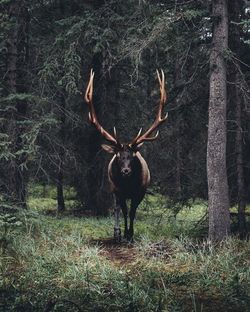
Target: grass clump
{"points": [[71, 264]]}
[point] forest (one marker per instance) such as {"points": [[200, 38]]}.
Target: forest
{"points": [[80, 78]]}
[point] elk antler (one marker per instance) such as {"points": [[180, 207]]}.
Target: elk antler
{"points": [[92, 115], [158, 120]]}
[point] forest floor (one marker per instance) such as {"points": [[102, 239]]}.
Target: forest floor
{"points": [[71, 263]]}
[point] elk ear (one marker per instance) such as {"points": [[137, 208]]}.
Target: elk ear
{"points": [[109, 149]]}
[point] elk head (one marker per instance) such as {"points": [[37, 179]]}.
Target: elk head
{"points": [[125, 153]]}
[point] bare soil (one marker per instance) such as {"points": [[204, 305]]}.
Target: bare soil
{"points": [[120, 253]]}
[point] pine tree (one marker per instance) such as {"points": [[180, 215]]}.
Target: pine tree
{"points": [[218, 195]]}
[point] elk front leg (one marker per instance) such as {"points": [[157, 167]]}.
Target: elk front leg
{"points": [[117, 230], [125, 215], [134, 204], [131, 225]]}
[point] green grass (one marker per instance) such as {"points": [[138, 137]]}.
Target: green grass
{"points": [[55, 264]]}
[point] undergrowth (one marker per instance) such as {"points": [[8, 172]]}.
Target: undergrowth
{"points": [[56, 264]]}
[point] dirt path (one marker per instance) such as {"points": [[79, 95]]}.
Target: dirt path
{"points": [[118, 253]]}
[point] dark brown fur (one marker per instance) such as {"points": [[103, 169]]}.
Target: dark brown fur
{"points": [[130, 186]]}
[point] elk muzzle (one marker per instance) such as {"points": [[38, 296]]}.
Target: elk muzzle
{"points": [[126, 171]]}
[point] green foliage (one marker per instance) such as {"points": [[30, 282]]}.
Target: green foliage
{"points": [[72, 71], [13, 221], [58, 264], [64, 262], [54, 262], [39, 191], [19, 97], [124, 43], [190, 14], [8, 223]]}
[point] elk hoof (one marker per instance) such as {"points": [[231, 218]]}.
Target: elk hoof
{"points": [[129, 237], [126, 234], [117, 235]]}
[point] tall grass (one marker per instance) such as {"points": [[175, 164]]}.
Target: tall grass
{"points": [[55, 264]]}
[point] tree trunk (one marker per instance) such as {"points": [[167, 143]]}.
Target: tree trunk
{"points": [[59, 181], [235, 10], [218, 197], [239, 164], [178, 186], [99, 200], [59, 187]]}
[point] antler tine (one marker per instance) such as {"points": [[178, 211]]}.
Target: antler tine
{"points": [[115, 133], [152, 138], [92, 115], [89, 89], [163, 97], [137, 136], [159, 119]]}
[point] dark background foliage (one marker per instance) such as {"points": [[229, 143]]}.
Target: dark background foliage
{"points": [[47, 49]]}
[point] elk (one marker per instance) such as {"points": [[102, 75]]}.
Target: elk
{"points": [[128, 171]]}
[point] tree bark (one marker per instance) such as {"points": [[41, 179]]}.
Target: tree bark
{"points": [[99, 201], [239, 164], [61, 154], [60, 196], [178, 186], [218, 197], [61, 135], [235, 10]]}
